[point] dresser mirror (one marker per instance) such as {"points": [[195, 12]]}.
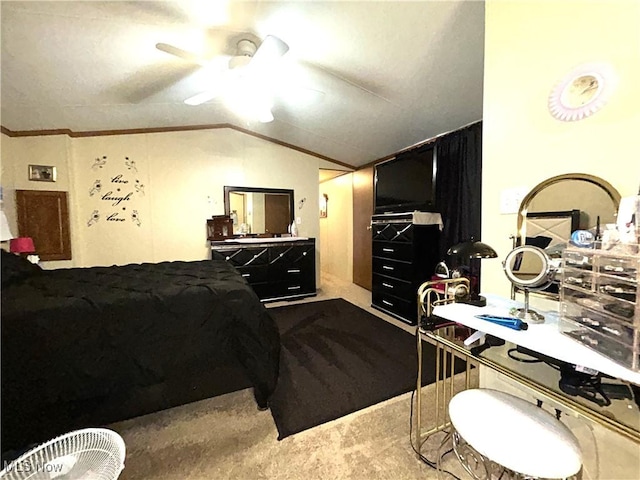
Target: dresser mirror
{"points": [[558, 206], [259, 211]]}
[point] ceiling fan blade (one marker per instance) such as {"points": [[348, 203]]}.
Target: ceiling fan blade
{"points": [[269, 50], [178, 52], [202, 97]]}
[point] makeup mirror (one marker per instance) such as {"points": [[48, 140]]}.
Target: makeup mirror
{"points": [[259, 211], [529, 268], [558, 206]]}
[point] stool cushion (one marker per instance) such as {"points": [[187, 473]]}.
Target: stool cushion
{"points": [[515, 433]]}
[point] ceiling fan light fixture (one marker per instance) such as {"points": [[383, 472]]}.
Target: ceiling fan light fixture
{"points": [[250, 104], [201, 98], [246, 48], [238, 62], [265, 116], [270, 50]]}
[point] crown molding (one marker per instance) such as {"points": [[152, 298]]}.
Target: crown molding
{"points": [[137, 131]]}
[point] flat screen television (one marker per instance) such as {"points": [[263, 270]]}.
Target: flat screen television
{"points": [[407, 182]]}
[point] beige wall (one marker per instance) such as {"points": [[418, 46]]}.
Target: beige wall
{"points": [[16, 155], [182, 175], [336, 230], [529, 46]]}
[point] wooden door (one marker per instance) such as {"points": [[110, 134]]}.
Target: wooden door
{"points": [[277, 216], [362, 212], [44, 216]]}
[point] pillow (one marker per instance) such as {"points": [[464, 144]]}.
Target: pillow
{"points": [[16, 268]]}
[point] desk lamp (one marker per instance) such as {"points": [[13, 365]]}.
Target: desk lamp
{"points": [[473, 250]]}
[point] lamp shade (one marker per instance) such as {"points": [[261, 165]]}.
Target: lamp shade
{"points": [[5, 231], [472, 249], [22, 245]]}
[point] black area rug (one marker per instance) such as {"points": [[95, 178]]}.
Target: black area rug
{"points": [[338, 358]]}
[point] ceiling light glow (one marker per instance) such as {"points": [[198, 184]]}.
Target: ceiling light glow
{"points": [[207, 13]]}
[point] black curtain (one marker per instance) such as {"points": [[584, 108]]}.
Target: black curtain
{"points": [[459, 186]]}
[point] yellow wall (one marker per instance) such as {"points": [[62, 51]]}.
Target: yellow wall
{"points": [[529, 47], [183, 174], [336, 230]]}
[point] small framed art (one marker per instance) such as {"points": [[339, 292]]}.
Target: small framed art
{"points": [[42, 173], [324, 200]]}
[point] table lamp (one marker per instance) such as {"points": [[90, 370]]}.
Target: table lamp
{"points": [[22, 245], [473, 250]]}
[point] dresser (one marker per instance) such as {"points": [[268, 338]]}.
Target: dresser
{"points": [[276, 270], [405, 252]]}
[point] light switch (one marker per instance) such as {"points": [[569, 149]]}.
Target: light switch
{"points": [[511, 198]]}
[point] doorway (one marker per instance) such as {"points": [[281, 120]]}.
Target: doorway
{"points": [[276, 213]]}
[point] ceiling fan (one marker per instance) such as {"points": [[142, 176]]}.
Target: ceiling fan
{"points": [[244, 80]]}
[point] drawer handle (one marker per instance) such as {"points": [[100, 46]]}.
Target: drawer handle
{"points": [[387, 303], [387, 267], [293, 270], [390, 250], [296, 287], [246, 275], [388, 285]]}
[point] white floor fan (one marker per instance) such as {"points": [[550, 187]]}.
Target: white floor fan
{"points": [[88, 454]]}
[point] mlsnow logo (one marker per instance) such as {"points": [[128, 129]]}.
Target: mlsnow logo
{"points": [[30, 467]]}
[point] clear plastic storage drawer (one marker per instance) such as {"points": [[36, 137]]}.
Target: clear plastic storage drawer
{"points": [[599, 303]]}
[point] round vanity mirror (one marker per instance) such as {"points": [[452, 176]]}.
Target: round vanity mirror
{"points": [[529, 268]]}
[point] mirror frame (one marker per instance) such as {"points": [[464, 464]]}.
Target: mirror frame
{"points": [[524, 205], [279, 191], [541, 280], [518, 240]]}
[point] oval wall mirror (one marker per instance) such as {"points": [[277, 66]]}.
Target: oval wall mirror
{"points": [[557, 207]]}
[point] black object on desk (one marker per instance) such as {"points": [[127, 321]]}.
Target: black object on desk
{"points": [[489, 341], [584, 384]]}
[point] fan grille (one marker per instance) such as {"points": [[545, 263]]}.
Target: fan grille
{"points": [[92, 453]]}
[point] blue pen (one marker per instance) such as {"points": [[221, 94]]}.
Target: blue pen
{"points": [[509, 322]]}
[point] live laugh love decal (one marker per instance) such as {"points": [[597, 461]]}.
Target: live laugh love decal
{"points": [[115, 194]]}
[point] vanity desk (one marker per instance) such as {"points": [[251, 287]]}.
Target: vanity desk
{"points": [[282, 268], [547, 363]]}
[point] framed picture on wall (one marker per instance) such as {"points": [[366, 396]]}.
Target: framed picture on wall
{"points": [[324, 199], [42, 173]]}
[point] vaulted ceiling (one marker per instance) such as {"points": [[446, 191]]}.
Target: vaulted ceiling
{"points": [[360, 80]]}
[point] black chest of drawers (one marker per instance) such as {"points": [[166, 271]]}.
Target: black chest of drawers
{"points": [[275, 270], [404, 256]]}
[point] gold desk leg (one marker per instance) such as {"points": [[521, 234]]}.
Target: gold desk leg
{"points": [[428, 298]]}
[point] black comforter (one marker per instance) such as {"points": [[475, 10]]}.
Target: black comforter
{"points": [[89, 346]]}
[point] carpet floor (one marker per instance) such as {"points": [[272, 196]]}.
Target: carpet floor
{"points": [[337, 359]]}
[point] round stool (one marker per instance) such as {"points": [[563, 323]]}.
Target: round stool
{"points": [[514, 433]]}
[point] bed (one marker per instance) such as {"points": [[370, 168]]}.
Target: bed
{"points": [[91, 346]]}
